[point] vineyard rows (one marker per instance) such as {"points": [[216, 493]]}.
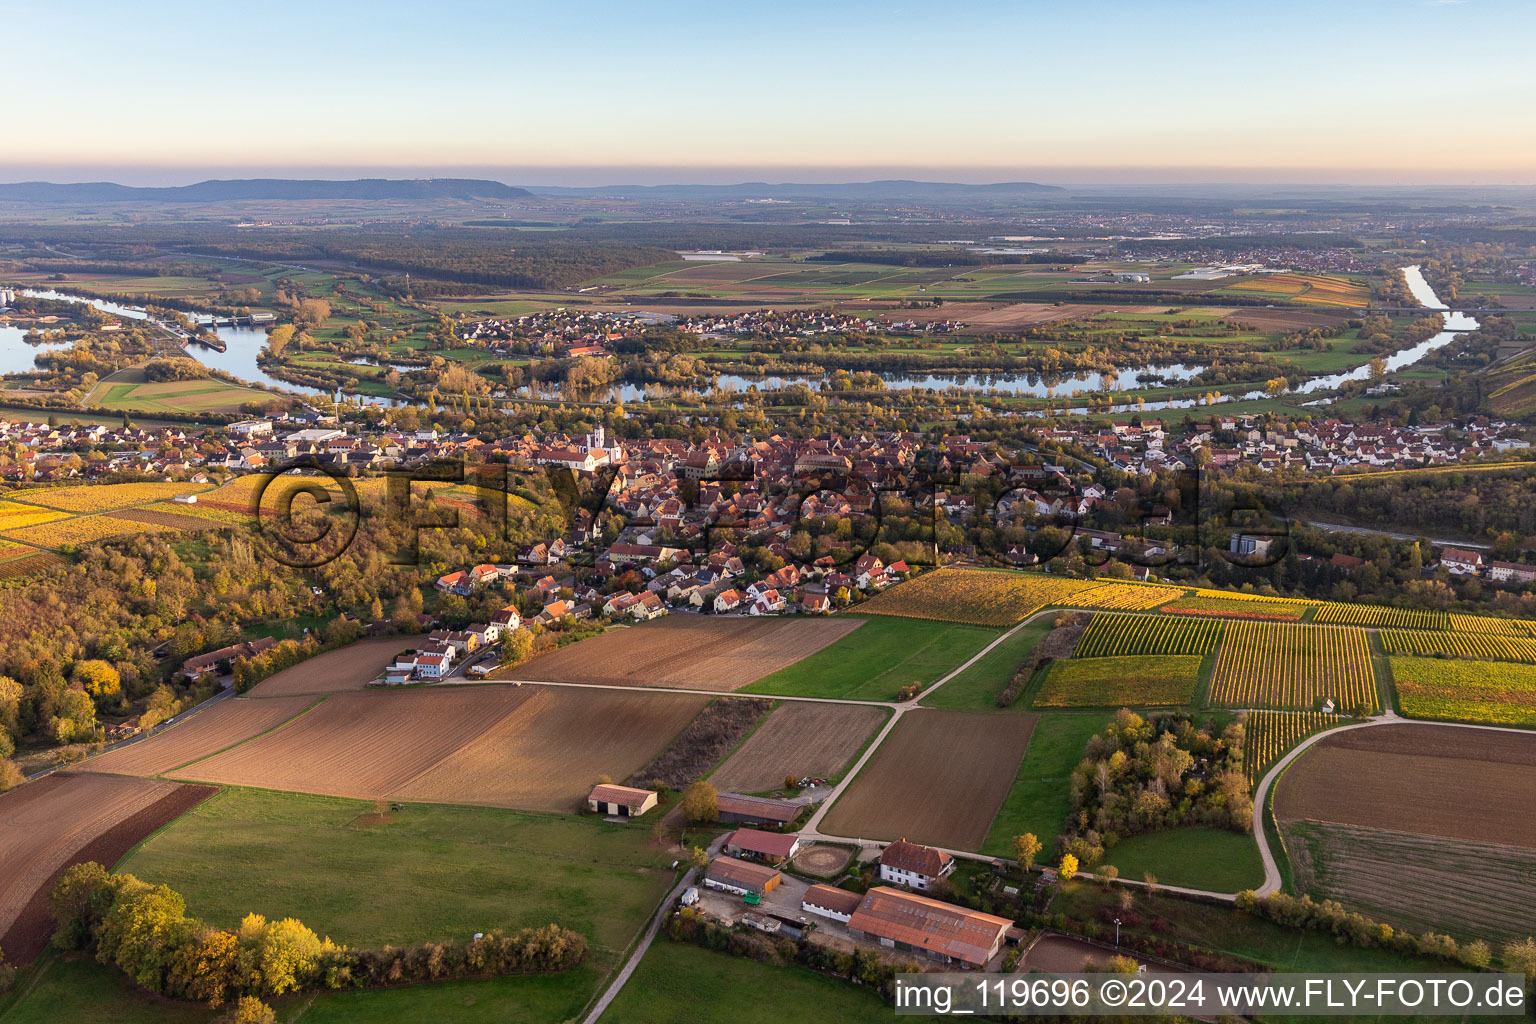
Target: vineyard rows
{"points": [[1288, 665], [1269, 734], [1460, 645], [1375, 615], [1110, 635]]}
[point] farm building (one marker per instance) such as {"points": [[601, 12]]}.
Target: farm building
{"points": [[770, 846], [741, 876], [830, 901], [910, 864], [621, 801], [938, 931], [755, 810], [199, 664]]}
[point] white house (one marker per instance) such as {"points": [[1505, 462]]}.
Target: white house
{"points": [[912, 865]]}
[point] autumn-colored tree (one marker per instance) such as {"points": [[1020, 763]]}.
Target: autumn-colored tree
{"points": [[1520, 957], [248, 1010], [10, 775], [1108, 873], [701, 803], [1025, 849], [1068, 868], [516, 647], [699, 857], [98, 677]]}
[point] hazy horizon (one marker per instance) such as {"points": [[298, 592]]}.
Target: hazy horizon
{"points": [[606, 176], [1368, 92]]}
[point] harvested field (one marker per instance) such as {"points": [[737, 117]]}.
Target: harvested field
{"points": [[800, 739], [204, 734], [64, 819], [1028, 314], [689, 651], [1286, 320], [707, 739], [938, 778], [1430, 779], [362, 744], [548, 754], [1469, 890], [347, 668]]}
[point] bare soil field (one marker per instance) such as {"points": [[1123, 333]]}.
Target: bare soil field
{"points": [[63, 819], [1434, 780], [1469, 890], [688, 651], [800, 739], [204, 734], [1286, 319], [1028, 314], [347, 668], [939, 778], [547, 755], [363, 745]]}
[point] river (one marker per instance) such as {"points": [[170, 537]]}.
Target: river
{"points": [[1455, 323], [243, 343]]}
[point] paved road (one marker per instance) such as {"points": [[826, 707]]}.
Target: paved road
{"points": [[619, 980], [1343, 528]]}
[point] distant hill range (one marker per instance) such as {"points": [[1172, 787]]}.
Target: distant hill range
{"points": [[868, 191], [295, 189]]}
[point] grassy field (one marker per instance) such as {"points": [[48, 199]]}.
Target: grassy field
{"points": [[430, 872], [536, 999], [976, 688], [1039, 800], [1200, 858], [1126, 681], [877, 659], [681, 984], [129, 391], [82, 991]]}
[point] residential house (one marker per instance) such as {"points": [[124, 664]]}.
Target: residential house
{"points": [[910, 864], [1461, 562]]}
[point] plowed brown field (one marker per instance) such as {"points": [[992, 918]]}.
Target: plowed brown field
{"points": [[548, 754], [1432, 779], [362, 744], [689, 651], [800, 739], [938, 778], [347, 668], [47, 825], [204, 734]]}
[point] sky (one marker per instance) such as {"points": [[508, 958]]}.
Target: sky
{"points": [[1342, 91]]}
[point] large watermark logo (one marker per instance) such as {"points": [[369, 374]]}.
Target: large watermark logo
{"points": [[317, 531]]}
